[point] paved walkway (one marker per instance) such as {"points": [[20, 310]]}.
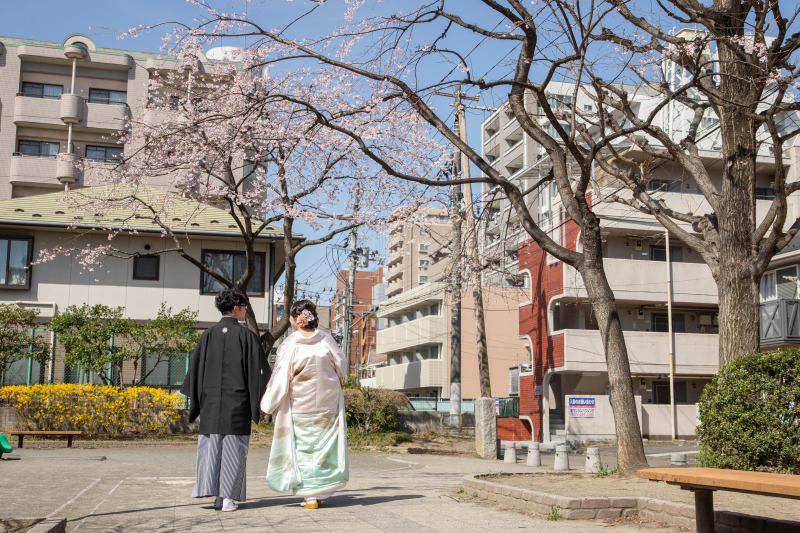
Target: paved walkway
{"points": [[146, 489]]}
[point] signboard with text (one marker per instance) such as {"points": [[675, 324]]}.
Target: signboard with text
{"points": [[581, 407]]}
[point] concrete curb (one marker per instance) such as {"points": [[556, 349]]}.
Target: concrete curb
{"points": [[51, 444], [589, 508]]}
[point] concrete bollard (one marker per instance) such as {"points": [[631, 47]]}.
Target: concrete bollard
{"points": [[562, 457], [534, 459], [678, 459], [592, 460], [511, 453]]}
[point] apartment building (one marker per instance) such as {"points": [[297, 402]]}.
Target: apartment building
{"points": [[364, 325], [70, 98], [418, 252], [567, 356], [416, 341]]}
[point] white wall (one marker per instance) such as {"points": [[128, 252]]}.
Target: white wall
{"points": [[66, 282]]}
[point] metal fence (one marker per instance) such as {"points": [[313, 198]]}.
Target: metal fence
{"points": [[507, 407]]}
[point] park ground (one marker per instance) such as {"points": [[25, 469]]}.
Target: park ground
{"points": [[149, 489]]}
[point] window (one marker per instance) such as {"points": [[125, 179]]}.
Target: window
{"points": [[424, 263], [662, 395], [587, 107], [249, 169], [434, 352], [779, 284], [423, 279], [423, 247], [39, 148], [435, 309], [42, 90], [424, 232], [103, 96], [710, 122], [765, 193], [551, 130], [146, 267], [659, 185], [659, 253], [104, 153], [15, 258], [661, 324], [560, 100], [232, 265]]}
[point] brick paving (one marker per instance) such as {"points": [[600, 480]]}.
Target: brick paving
{"points": [[149, 488]]}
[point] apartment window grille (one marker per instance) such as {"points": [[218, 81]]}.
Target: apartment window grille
{"points": [[104, 96], [423, 279], [232, 265], [658, 252], [39, 148], [42, 90], [660, 323], [146, 267], [765, 193], [659, 185], [424, 263], [104, 153], [423, 247], [424, 232], [15, 260]]}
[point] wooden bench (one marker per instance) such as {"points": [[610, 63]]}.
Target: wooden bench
{"points": [[68, 434], [704, 481]]}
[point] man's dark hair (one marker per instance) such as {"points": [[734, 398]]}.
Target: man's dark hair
{"points": [[227, 300], [305, 305]]}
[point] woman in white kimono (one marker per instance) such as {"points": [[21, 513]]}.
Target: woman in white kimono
{"points": [[309, 446]]}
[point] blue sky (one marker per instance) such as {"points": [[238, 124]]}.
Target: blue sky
{"points": [[52, 20]]}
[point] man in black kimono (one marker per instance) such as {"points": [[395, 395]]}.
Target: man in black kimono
{"points": [[227, 378]]}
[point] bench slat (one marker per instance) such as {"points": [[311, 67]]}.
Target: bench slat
{"points": [[45, 432], [785, 485]]}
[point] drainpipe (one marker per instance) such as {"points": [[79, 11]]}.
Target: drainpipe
{"points": [[671, 347]]}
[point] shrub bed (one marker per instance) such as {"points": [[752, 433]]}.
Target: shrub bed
{"points": [[93, 409], [749, 415], [372, 410]]}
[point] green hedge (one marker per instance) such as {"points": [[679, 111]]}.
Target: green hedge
{"points": [[748, 415]]}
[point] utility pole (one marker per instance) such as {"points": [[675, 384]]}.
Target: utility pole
{"points": [[351, 281], [477, 286]]}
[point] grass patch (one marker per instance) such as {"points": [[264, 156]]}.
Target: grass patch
{"points": [[553, 514], [383, 439]]}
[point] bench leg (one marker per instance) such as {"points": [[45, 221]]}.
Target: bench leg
{"points": [[69, 441], [19, 441], [704, 510]]}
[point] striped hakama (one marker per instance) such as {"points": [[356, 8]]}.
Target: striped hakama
{"points": [[221, 466]]}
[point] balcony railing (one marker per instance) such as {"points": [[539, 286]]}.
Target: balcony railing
{"points": [[44, 96], [426, 373], [425, 330], [779, 321]]}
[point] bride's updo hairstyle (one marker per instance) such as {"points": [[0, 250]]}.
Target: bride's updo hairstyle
{"points": [[300, 307]]}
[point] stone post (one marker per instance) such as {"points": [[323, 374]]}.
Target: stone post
{"points": [[511, 453], [486, 428], [562, 457], [534, 459], [677, 459], [592, 460]]}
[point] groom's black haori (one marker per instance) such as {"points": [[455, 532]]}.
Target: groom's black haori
{"points": [[227, 376]]}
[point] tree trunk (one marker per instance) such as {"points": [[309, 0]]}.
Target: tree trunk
{"points": [[480, 333], [630, 448]]}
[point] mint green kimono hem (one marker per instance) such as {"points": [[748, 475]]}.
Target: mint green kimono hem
{"points": [[316, 450]]}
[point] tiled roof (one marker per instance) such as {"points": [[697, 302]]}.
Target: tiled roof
{"points": [[185, 215]]}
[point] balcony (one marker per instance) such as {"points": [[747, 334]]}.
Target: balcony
{"points": [[779, 322], [642, 280], [93, 59], [426, 373], [425, 330], [393, 273], [34, 170], [34, 110], [37, 110], [416, 297], [695, 353]]}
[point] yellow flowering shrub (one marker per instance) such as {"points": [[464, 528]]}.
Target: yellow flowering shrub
{"points": [[93, 409]]}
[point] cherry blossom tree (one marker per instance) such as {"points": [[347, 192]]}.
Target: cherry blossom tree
{"points": [[236, 136]]}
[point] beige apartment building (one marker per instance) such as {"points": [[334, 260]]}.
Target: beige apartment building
{"points": [[416, 341], [70, 97], [418, 252]]}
